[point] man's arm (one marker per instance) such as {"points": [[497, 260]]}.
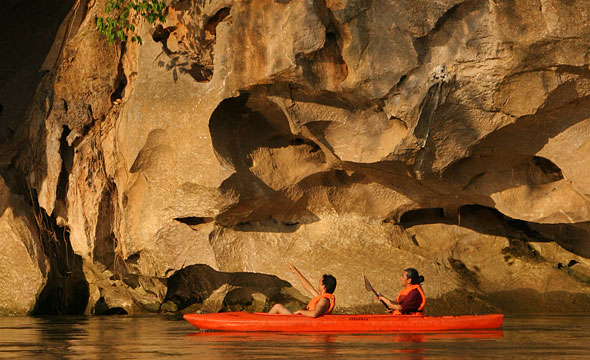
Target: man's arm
{"points": [[321, 308], [306, 284], [390, 304]]}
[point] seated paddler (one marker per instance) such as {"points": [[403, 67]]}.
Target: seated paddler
{"points": [[323, 301], [411, 299]]}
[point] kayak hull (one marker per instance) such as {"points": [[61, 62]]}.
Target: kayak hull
{"points": [[243, 321]]}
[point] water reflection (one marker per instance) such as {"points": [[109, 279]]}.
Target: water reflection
{"points": [[128, 337], [409, 345]]}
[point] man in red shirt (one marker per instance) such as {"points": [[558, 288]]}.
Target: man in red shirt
{"points": [[411, 299]]}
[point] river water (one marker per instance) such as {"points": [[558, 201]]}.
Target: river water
{"points": [[170, 337]]}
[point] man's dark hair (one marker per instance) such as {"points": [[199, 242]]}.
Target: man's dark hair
{"points": [[413, 275], [329, 282]]}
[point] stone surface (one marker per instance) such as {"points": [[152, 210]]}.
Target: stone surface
{"points": [[344, 136], [23, 265]]}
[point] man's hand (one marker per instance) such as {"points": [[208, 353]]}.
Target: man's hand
{"points": [[306, 284], [390, 304]]}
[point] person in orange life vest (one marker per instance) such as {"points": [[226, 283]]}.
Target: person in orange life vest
{"points": [[411, 299], [323, 301]]}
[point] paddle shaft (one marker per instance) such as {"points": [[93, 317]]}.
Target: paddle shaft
{"points": [[368, 286], [382, 302]]}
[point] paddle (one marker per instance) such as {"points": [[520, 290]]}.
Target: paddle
{"points": [[370, 288]]}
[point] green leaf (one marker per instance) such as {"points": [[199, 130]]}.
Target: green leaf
{"points": [[119, 26]]}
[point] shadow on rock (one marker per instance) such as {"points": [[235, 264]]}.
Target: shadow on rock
{"points": [[203, 289]]}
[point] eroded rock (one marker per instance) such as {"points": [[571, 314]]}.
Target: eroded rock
{"points": [[23, 265], [344, 136]]}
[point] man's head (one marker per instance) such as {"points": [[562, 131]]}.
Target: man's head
{"points": [[329, 283], [412, 275]]}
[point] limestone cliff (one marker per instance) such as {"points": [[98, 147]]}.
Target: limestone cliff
{"points": [[344, 136]]}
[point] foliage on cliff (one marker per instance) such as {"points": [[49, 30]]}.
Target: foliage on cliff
{"points": [[120, 26]]}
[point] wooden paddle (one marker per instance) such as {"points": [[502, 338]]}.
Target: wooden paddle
{"points": [[370, 288]]}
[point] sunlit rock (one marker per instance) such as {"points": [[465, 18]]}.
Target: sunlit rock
{"points": [[23, 264], [344, 136]]}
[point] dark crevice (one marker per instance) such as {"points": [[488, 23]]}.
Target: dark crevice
{"points": [[401, 81], [161, 34], [268, 225], [548, 167], [102, 308], [115, 311], [67, 155], [422, 216], [297, 141], [133, 258], [66, 291], [120, 87], [90, 113], [211, 25], [121, 80], [194, 220], [572, 263]]}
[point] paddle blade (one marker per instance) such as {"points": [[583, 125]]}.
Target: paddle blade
{"points": [[369, 287], [368, 284]]}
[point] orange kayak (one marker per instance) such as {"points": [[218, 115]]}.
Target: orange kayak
{"points": [[243, 321]]}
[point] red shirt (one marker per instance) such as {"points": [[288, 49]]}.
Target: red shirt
{"points": [[411, 302]]}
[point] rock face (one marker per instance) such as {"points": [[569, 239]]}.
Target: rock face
{"points": [[344, 136], [23, 265]]}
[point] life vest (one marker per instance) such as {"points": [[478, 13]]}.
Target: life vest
{"points": [[404, 292], [312, 304]]}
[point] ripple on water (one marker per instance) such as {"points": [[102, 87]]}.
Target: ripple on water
{"points": [[170, 337]]}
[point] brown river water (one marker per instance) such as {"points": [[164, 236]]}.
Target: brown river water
{"points": [[170, 337]]}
